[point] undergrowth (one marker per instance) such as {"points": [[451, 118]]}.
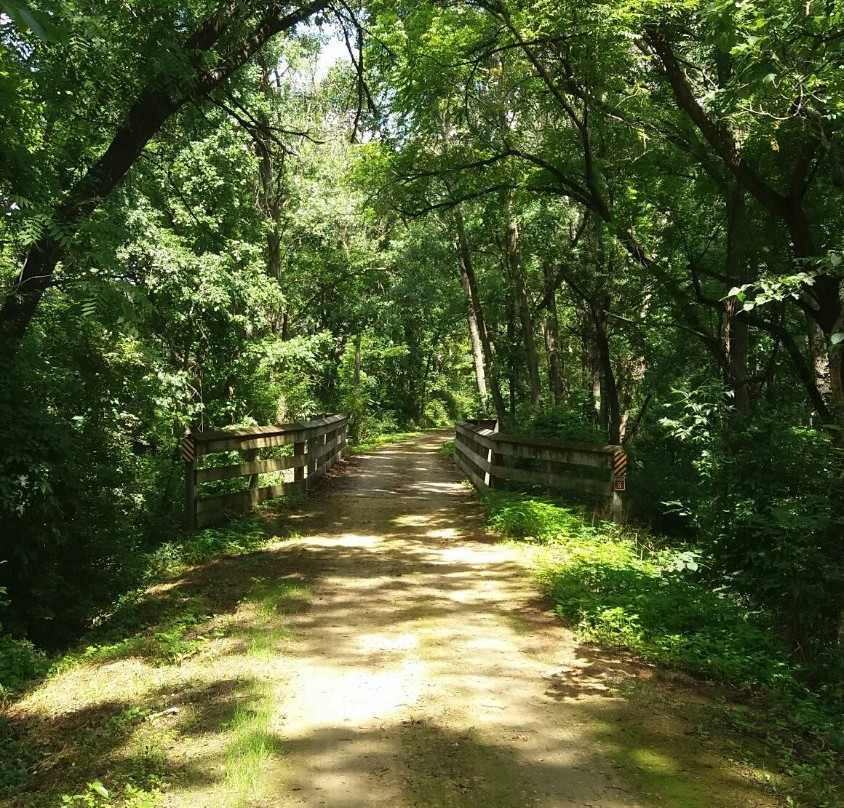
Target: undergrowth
{"points": [[624, 590], [381, 440], [166, 622], [123, 631]]}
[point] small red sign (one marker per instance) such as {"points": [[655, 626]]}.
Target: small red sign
{"points": [[620, 484]]}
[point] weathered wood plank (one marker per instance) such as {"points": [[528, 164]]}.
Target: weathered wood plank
{"points": [[470, 473], [551, 480], [326, 455], [483, 437], [591, 448], [246, 469], [272, 429], [556, 454], [483, 423], [318, 444], [236, 443], [244, 500], [481, 462], [261, 437]]}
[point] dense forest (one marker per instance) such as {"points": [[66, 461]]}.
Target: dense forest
{"points": [[616, 221]]}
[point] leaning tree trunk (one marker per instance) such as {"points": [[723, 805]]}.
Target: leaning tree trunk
{"points": [[477, 347], [157, 102], [470, 286]]}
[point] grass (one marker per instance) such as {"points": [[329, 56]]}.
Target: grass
{"points": [[208, 634], [623, 590], [374, 442], [252, 742], [250, 746]]}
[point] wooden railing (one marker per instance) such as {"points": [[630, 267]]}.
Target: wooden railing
{"points": [[494, 460], [317, 445]]}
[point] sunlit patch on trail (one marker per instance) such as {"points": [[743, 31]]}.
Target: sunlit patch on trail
{"points": [[413, 520], [381, 642], [344, 540], [443, 533], [439, 486], [336, 697], [488, 644]]}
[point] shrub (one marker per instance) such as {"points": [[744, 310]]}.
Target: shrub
{"points": [[521, 517]]}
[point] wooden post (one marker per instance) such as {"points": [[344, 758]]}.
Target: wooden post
{"points": [[616, 508], [618, 470], [313, 445], [250, 456], [299, 471], [189, 458], [190, 495], [495, 459]]}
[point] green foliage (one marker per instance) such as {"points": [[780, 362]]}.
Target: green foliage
{"points": [[172, 639], [20, 662], [236, 538], [258, 264], [16, 759], [381, 440], [621, 590], [523, 517], [574, 421], [768, 510], [38, 22], [96, 795]]}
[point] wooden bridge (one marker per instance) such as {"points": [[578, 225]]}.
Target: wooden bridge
{"points": [[296, 456], [491, 459]]}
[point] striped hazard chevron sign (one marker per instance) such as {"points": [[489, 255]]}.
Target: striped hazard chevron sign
{"points": [[619, 470], [188, 449]]}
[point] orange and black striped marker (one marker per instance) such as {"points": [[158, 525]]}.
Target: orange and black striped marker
{"points": [[188, 448], [619, 463]]}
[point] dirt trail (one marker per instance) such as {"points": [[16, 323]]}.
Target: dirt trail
{"points": [[424, 673]]}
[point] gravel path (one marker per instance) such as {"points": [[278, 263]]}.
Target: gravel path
{"points": [[424, 673]]}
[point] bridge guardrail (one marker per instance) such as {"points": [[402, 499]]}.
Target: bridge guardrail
{"points": [[482, 454], [317, 445]]}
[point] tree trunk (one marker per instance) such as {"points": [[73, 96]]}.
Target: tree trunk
{"points": [[270, 200], [610, 410], [477, 348], [512, 372], [517, 278], [735, 323], [470, 286], [551, 332], [356, 371], [604, 386]]}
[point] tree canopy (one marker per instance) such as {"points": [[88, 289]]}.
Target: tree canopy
{"points": [[615, 220]]}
